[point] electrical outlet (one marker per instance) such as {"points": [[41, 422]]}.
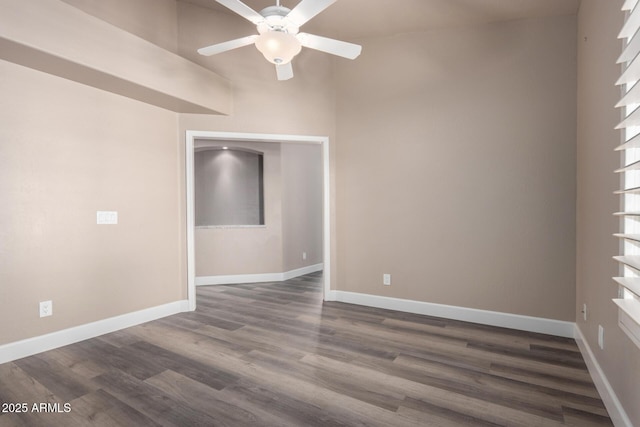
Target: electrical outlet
{"points": [[386, 279], [46, 308], [304, 255], [584, 312], [601, 337]]}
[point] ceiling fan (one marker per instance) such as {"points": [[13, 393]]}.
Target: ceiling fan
{"points": [[278, 38]]}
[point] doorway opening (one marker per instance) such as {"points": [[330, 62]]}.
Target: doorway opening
{"points": [[192, 136]]}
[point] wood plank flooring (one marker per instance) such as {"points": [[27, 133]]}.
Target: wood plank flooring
{"points": [[275, 355]]}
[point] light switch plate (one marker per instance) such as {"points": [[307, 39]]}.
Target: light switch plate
{"points": [[107, 217]]}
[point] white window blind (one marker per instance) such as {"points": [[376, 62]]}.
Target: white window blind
{"points": [[629, 283]]}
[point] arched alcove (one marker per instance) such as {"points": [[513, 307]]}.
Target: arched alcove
{"points": [[229, 187]]}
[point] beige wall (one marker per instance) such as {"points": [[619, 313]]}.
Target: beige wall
{"points": [[153, 20], [60, 39], [67, 151], [598, 49], [456, 167]]}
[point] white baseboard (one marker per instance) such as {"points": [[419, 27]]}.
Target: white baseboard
{"points": [[331, 296], [485, 317], [257, 278], [614, 407], [19, 349]]}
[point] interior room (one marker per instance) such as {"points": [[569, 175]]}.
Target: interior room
{"points": [[448, 231]]}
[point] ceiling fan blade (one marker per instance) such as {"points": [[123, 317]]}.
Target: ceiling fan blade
{"points": [[225, 46], [243, 10], [332, 46], [284, 71], [307, 9]]}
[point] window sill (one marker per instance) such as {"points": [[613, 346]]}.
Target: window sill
{"points": [[224, 227], [628, 317]]}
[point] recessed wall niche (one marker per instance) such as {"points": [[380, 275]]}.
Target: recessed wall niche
{"points": [[229, 187]]}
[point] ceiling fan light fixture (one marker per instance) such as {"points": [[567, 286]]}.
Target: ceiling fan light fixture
{"points": [[278, 38], [278, 47]]}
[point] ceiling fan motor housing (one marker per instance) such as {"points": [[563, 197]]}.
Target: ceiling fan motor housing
{"points": [[275, 19]]}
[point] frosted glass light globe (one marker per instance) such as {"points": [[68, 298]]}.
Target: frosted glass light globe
{"points": [[278, 47]]}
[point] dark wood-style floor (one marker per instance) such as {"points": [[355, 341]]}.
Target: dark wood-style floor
{"points": [[274, 355]]}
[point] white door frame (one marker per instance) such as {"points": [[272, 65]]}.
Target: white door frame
{"points": [[192, 135]]}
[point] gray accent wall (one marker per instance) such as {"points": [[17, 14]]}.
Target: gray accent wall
{"points": [[301, 205], [228, 187]]}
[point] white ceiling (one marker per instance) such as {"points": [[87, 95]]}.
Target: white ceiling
{"points": [[353, 19]]}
